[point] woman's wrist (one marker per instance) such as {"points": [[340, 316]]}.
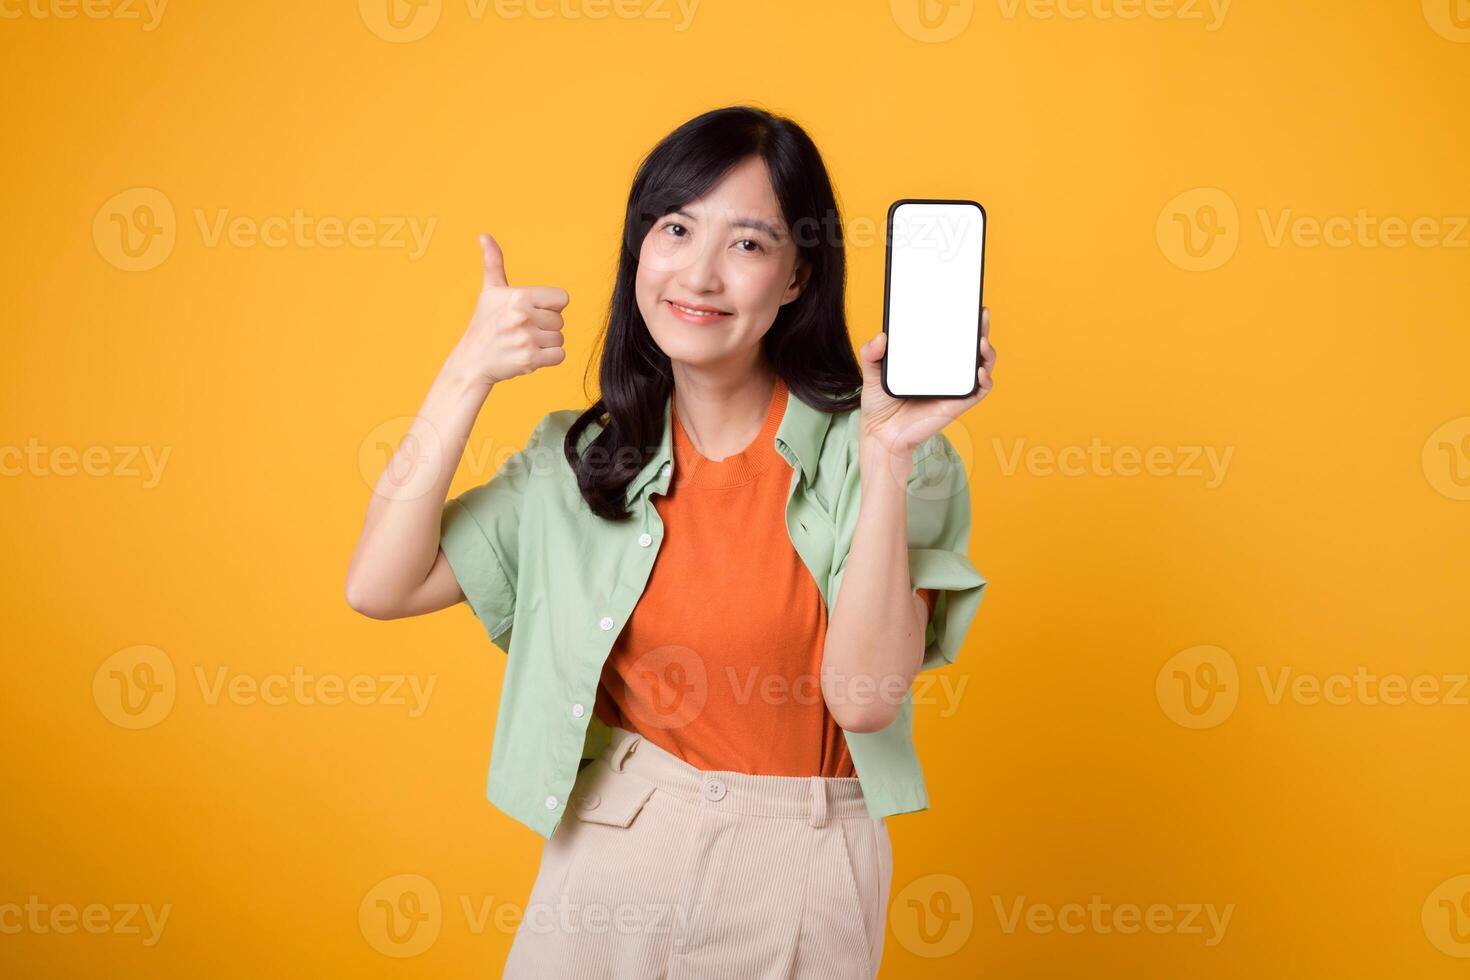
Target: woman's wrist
{"points": [[882, 468], [458, 379]]}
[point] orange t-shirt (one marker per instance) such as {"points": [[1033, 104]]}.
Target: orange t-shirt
{"points": [[720, 662]]}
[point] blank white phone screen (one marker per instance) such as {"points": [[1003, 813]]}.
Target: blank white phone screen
{"points": [[933, 298]]}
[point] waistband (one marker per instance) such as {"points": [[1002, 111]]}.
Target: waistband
{"points": [[816, 799]]}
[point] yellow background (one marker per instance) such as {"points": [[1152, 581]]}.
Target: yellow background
{"points": [[1066, 768]]}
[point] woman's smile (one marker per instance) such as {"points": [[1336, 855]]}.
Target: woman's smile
{"points": [[696, 313]]}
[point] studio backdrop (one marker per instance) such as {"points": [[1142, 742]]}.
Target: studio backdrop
{"points": [[1212, 718]]}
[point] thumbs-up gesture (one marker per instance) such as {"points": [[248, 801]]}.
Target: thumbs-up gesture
{"points": [[515, 329]]}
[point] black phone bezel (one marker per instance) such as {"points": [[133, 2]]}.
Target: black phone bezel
{"points": [[887, 285]]}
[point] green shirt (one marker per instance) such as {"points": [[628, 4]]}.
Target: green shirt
{"points": [[553, 585]]}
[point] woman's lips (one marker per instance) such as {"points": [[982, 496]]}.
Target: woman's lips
{"points": [[692, 316]]}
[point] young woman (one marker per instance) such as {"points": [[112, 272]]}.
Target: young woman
{"points": [[715, 585]]}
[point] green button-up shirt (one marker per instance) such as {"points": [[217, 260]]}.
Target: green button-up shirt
{"points": [[553, 586]]}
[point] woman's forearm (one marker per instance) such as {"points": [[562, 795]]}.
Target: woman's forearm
{"points": [[400, 537], [875, 633]]}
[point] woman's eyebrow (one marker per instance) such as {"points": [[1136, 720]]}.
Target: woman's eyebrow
{"points": [[755, 223]]}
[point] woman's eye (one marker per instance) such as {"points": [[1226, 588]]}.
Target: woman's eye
{"points": [[755, 246], [672, 225]]}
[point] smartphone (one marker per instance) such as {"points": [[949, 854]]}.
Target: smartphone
{"points": [[933, 278]]}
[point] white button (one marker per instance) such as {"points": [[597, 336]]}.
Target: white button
{"points": [[645, 539], [714, 790], [551, 803], [578, 711], [606, 623], [666, 469]]}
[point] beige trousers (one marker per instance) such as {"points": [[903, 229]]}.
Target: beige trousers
{"points": [[661, 870]]}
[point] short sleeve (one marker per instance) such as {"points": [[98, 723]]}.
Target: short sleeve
{"points": [[479, 533], [940, 569], [939, 544]]}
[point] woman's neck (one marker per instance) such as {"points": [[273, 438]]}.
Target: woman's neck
{"points": [[722, 414]]}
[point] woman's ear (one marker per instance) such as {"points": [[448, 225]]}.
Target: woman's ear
{"points": [[799, 277]]}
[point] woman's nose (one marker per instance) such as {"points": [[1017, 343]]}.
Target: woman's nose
{"points": [[702, 273]]}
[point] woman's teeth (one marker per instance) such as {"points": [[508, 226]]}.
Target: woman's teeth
{"points": [[704, 313]]}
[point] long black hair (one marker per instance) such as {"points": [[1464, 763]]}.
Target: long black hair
{"points": [[807, 345]]}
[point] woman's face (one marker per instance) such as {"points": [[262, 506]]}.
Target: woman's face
{"points": [[729, 260]]}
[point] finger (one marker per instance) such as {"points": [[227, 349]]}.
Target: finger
{"points": [[494, 262], [548, 338], [871, 357], [982, 388], [547, 356], [984, 321], [545, 319], [875, 347], [547, 297], [984, 384], [987, 355]]}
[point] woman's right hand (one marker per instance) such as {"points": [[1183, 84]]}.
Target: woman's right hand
{"points": [[515, 329]]}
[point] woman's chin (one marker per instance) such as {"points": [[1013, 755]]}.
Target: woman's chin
{"points": [[693, 345]]}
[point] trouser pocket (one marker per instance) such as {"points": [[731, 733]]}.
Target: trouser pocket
{"points": [[606, 797], [863, 850]]}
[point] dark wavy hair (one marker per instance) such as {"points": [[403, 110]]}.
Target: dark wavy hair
{"points": [[807, 345]]}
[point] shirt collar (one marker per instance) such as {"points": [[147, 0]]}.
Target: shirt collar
{"points": [[798, 440]]}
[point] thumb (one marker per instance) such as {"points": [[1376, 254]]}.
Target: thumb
{"points": [[871, 356], [494, 262]]}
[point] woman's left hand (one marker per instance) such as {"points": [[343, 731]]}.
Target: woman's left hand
{"points": [[900, 424]]}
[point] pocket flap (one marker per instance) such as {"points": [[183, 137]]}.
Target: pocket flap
{"points": [[608, 797]]}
